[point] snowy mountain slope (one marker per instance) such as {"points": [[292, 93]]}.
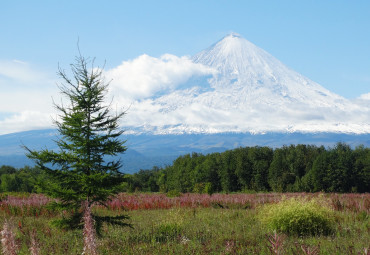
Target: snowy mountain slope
{"points": [[247, 68], [249, 91]]}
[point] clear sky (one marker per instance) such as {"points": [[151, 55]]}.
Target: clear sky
{"points": [[327, 41]]}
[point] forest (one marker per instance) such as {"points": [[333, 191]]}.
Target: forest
{"points": [[294, 168]]}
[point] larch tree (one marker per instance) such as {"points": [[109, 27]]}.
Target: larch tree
{"points": [[85, 170]]}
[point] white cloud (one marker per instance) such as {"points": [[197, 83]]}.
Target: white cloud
{"points": [[363, 101], [144, 76], [25, 120], [20, 72], [27, 92], [31, 100], [365, 96], [23, 87], [25, 97]]}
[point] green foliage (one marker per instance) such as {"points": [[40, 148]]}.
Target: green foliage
{"points": [[166, 232], [362, 169], [9, 182], [7, 170], [228, 179], [208, 188], [144, 180], [203, 187], [173, 193], [334, 170], [198, 188], [19, 180], [83, 170], [293, 168], [299, 216]]}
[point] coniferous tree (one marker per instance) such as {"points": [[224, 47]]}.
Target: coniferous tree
{"points": [[362, 169], [84, 171]]}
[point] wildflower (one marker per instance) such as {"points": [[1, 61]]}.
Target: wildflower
{"points": [[229, 246], [184, 240], [34, 248], [9, 246], [276, 243], [366, 251], [307, 250]]}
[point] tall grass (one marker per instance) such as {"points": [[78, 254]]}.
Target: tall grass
{"points": [[34, 204], [193, 224]]}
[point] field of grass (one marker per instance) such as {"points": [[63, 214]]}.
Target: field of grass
{"points": [[190, 224]]}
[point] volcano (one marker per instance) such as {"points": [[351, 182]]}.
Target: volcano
{"points": [[250, 91]]}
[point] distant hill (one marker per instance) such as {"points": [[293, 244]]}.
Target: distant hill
{"points": [[148, 150]]}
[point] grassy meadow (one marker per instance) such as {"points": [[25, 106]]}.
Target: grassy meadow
{"points": [[190, 224]]}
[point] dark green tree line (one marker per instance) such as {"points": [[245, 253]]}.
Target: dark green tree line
{"points": [[24, 179], [293, 168]]}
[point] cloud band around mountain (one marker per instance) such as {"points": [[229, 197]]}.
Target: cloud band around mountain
{"points": [[145, 76]]}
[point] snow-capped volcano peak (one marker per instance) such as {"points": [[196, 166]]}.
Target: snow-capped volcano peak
{"points": [[250, 91], [234, 55], [242, 64], [233, 34]]}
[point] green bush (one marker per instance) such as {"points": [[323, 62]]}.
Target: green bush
{"points": [[167, 232], [203, 187], [198, 188], [208, 188], [173, 193], [298, 216]]}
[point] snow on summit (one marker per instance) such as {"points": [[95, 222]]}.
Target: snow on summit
{"points": [[242, 64], [234, 55], [234, 86]]}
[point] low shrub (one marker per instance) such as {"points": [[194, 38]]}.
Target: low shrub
{"points": [[167, 232], [298, 216], [173, 193]]}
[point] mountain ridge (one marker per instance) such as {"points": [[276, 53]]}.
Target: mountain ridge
{"points": [[147, 150]]}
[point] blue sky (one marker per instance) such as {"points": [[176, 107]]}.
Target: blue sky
{"points": [[327, 41]]}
